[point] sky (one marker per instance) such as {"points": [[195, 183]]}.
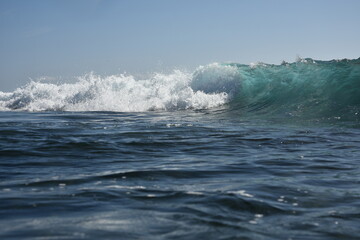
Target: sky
{"points": [[61, 39]]}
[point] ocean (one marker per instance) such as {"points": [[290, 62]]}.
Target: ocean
{"points": [[229, 151]]}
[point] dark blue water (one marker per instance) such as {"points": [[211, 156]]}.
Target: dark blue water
{"points": [[176, 175]]}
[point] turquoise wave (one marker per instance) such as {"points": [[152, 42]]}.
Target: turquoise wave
{"points": [[308, 88]]}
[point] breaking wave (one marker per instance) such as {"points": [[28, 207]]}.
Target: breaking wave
{"points": [[306, 87]]}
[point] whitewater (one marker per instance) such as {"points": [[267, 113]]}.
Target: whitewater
{"points": [[121, 93], [227, 151]]}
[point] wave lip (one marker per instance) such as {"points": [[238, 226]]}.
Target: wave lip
{"points": [[216, 78]]}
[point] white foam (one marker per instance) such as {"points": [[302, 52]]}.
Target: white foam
{"points": [[122, 93], [242, 193]]}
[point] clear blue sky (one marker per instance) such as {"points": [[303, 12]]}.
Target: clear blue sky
{"points": [[65, 38]]}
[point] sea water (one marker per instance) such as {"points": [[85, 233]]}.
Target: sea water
{"points": [[229, 151]]}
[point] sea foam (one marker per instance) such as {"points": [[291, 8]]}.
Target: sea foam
{"points": [[122, 93]]}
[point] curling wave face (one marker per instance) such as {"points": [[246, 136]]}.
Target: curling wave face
{"points": [[306, 88]]}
